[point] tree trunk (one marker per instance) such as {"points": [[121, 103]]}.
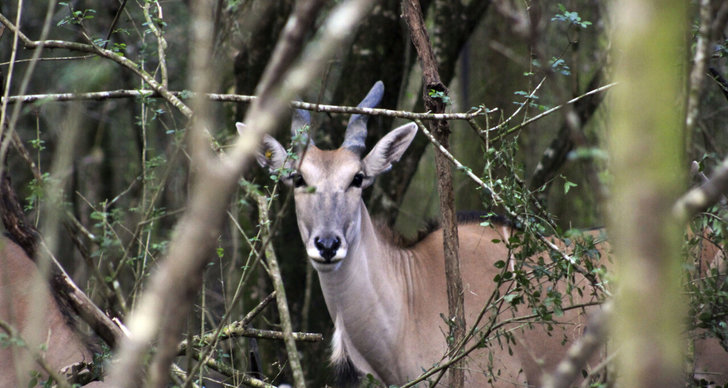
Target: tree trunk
{"points": [[646, 153], [435, 94]]}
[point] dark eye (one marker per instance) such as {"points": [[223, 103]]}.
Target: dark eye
{"points": [[358, 179], [298, 180]]}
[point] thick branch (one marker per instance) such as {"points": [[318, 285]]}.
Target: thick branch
{"points": [[704, 196]]}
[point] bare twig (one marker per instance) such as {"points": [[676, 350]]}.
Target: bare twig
{"points": [[57, 97], [161, 42], [99, 322], [550, 111]]}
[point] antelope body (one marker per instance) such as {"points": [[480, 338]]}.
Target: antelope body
{"points": [[27, 305], [385, 300]]}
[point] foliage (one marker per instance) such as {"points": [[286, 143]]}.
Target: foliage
{"points": [[570, 18], [128, 183]]}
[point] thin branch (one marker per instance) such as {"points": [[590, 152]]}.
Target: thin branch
{"points": [[99, 322], [108, 54], [552, 110], [223, 97], [281, 300], [161, 42], [235, 330]]}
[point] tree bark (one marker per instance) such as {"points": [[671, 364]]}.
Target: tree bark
{"points": [[434, 94]]}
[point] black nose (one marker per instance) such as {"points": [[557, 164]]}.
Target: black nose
{"points": [[327, 246]]}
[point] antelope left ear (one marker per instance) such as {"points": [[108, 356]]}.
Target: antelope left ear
{"points": [[271, 154], [389, 150]]}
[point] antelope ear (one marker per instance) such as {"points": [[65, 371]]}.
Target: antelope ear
{"points": [[271, 154], [389, 150]]}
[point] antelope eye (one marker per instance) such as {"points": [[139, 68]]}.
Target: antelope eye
{"points": [[358, 179], [298, 180]]}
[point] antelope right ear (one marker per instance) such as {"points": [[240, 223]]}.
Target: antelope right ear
{"points": [[389, 150], [271, 154]]}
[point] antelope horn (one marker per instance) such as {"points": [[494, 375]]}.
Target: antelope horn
{"points": [[300, 119], [356, 132]]}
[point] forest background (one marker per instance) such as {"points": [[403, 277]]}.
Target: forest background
{"points": [[104, 160]]}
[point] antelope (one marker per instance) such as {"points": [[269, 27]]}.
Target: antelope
{"points": [[386, 300], [20, 285]]}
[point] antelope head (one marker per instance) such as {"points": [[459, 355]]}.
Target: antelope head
{"points": [[328, 184]]}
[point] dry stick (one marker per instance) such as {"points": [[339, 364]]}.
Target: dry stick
{"points": [[281, 301], [697, 74], [239, 329], [198, 229], [431, 82], [99, 322]]}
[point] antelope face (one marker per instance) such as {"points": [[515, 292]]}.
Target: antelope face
{"points": [[328, 184], [327, 191]]}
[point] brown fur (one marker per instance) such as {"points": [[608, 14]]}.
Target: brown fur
{"points": [[24, 296]]}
